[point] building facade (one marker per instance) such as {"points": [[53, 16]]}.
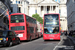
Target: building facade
{"points": [[19, 6], [42, 7], [71, 14], [4, 7], [63, 15]]}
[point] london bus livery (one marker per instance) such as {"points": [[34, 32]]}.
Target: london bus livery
{"points": [[51, 27], [23, 25]]}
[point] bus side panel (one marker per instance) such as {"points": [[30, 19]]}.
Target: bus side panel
{"points": [[28, 31], [25, 27]]}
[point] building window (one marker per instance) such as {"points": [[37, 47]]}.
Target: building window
{"points": [[48, 8], [11, 9], [41, 8], [35, 11], [19, 9], [5, 20], [19, 2], [11, 2], [53, 8], [16, 2], [30, 30]]}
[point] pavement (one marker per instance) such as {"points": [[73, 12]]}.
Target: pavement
{"points": [[72, 39], [64, 44]]}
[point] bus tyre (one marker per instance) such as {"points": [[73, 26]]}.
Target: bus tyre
{"points": [[38, 35], [45, 40], [30, 39]]}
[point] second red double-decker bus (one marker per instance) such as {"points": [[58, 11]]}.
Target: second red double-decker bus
{"points": [[23, 25], [39, 29], [51, 27]]}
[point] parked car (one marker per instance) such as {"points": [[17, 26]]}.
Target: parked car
{"points": [[8, 38]]}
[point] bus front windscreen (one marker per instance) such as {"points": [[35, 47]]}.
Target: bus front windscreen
{"points": [[17, 18], [51, 24]]}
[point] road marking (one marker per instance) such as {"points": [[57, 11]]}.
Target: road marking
{"points": [[11, 48], [22, 44], [58, 44]]}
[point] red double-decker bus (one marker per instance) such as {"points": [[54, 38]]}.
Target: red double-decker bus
{"points": [[41, 29], [51, 27], [24, 25]]}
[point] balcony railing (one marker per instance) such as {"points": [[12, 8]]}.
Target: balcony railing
{"points": [[3, 9]]}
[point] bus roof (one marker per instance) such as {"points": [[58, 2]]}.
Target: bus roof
{"points": [[51, 13], [21, 14], [16, 13]]}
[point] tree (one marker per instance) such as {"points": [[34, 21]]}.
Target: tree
{"points": [[38, 18]]}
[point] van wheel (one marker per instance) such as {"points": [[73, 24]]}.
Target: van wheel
{"points": [[19, 41], [9, 44], [4, 45]]}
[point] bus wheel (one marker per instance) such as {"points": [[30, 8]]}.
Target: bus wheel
{"points": [[45, 40], [30, 39], [38, 35]]}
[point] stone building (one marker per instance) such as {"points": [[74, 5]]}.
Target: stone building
{"points": [[4, 7], [19, 6], [63, 14], [71, 14], [42, 7]]}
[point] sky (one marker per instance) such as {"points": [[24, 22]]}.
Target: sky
{"points": [[58, 0]]}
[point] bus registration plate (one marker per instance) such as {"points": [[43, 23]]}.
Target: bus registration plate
{"points": [[20, 35], [51, 38]]}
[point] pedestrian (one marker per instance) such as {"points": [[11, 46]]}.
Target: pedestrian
{"points": [[66, 33], [69, 33]]}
